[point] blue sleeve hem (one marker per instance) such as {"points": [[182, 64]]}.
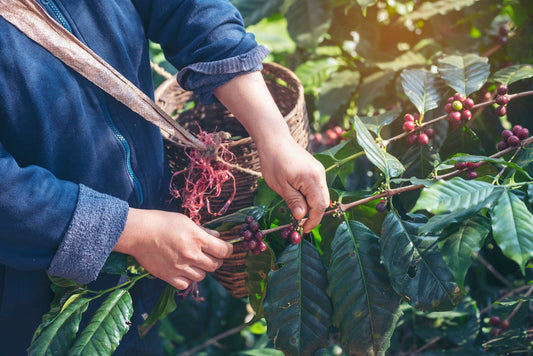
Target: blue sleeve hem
{"points": [[96, 225], [204, 77]]}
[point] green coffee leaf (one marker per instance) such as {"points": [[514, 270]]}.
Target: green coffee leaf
{"points": [[165, 305], [254, 11], [421, 87], [307, 21], [513, 74], [464, 73]]}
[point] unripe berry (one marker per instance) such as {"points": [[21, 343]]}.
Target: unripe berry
{"points": [[459, 97], [408, 126], [501, 110], [468, 103], [412, 138], [516, 128], [422, 139], [502, 89], [471, 175], [466, 115], [502, 145], [430, 132], [506, 134], [295, 237], [454, 116], [513, 140], [457, 105], [409, 117], [523, 134], [448, 108], [502, 99]]}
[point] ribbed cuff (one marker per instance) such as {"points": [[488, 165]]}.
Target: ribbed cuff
{"points": [[96, 225], [204, 77]]}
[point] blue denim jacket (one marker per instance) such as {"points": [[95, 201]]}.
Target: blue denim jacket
{"points": [[73, 159]]}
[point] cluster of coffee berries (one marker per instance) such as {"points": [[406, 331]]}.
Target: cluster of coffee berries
{"points": [[513, 137], [498, 325], [410, 122], [252, 236], [291, 234], [470, 166], [332, 136], [502, 36], [458, 110], [501, 100]]}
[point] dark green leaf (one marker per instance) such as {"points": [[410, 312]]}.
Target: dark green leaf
{"points": [[461, 140], [416, 267], [513, 74], [307, 21], [334, 160], [421, 87], [59, 335], [257, 268], [464, 73], [453, 195], [419, 161], [254, 11], [372, 86], [116, 263], [107, 326], [389, 165], [297, 308], [165, 305], [313, 73], [222, 223], [366, 308], [376, 123], [459, 242], [511, 228], [336, 92]]}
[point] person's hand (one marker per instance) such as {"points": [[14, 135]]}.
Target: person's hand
{"points": [[171, 246], [298, 177]]}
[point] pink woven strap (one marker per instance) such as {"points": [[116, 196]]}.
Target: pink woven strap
{"points": [[35, 23]]}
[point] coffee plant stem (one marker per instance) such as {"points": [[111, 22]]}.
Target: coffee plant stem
{"points": [[519, 305], [128, 283], [491, 269], [344, 160], [384, 143], [507, 295]]}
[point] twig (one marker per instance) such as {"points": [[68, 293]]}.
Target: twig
{"points": [[519, 305], [213, 340], [507, 295], [491, 269]]}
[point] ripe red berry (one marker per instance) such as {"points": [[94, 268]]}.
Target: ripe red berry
{"points": [[471, 165], [295, 237], [259, 235], [502, 145], [254, 226], [252, 244], [494, 321], [422, 139], [416, 116], [523, 133], [381, 206], [471, 175], [502, 99], [460, 165], [430, 133], [506, 134], [412, 138], [505, 324], [501, 110], [466, 115], [450, 100], [459, 97], [261, 247], [248, 235], [408, 126], [502, 89], [284, 233], [468, 103], [338, 130], [454, 116], [513, 140], [409, 117], [448, 108], [457, 105], [516, 128]]}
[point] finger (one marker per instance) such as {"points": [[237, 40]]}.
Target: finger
{"points": [[208, 263], [217, 248], [211, 232], [317, 198], [180, 283]]}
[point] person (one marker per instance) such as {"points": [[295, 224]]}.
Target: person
{"points": [[82, 175]]}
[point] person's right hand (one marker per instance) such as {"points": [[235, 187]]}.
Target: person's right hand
{"points": [[171, 246]]}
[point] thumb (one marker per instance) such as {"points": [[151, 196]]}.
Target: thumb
{"points": [[297, 204]]}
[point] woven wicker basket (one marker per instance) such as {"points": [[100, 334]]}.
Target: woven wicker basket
{"points": [[185, 107]]}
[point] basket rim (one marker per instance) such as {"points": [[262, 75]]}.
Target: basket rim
{"points": [[266, 65]]}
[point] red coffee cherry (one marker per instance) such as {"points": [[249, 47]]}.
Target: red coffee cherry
{"points": [[381, 206], [494, 321], [448, 108], [422, 139], [513, 140], [466, 115], [516, 128], [471, 175], [523, 133], [505, 324], [502, 89], [430, 132], [506, 134], [295, 237], [502, 145], [408, 126], [284, 234], [502, 99], [468, 103], [459, 97], [454, 116], [460, 165], [412, 138], [409, 117], [501, 110]]}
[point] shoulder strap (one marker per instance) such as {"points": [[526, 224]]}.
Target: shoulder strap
{"points": [[34, 22]]}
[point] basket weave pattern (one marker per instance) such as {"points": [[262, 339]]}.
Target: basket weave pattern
{"points": [[184, 106]]}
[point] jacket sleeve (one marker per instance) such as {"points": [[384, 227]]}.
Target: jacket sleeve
{"points": [[204, 39], [48, 223]]}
